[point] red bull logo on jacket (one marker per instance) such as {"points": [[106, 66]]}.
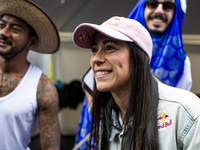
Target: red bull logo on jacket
{"points": [[164, 121]]}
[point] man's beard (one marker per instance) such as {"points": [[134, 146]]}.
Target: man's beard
{"points": [[10, 51], [156, 32], [7, 54]]}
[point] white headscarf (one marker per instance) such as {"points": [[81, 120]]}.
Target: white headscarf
{"points": [[184, 5]]}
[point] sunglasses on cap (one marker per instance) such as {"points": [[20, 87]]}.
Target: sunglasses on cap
{"points": [[167, 5]]}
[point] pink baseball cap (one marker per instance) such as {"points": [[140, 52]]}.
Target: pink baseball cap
{"points": [[119, 28]]}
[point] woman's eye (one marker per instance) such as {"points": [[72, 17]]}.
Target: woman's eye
{"points": [[1, 25], [110, 47], [94, 50]]}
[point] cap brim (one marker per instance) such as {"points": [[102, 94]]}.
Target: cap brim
{"points": [[83, 35]]}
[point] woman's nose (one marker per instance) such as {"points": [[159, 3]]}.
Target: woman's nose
{"points": [[98, 57]]}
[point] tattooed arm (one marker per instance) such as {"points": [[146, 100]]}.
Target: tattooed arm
{"points": [[47, 99]]}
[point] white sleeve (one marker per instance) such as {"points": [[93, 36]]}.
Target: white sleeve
{"points": [[185, 81]]}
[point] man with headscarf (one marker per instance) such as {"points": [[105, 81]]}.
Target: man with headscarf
{"points": [[164, 19]]}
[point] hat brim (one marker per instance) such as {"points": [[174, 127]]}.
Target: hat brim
{"points": [[47, 33], [83, 35]]}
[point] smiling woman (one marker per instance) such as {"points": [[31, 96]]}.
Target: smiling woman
{"points": [[131, 108], [110, 62]]}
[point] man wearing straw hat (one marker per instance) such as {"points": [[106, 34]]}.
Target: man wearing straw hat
{"points": [[26, 94]]}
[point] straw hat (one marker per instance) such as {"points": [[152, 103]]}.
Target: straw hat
{"points": [[48, 37]]}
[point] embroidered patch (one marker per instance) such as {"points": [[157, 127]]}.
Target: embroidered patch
{"points": [[114, 22], [164, 121], [84, 36], [110, 23]]}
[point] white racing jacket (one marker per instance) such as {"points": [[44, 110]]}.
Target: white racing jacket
{"points": [[178, 120]]}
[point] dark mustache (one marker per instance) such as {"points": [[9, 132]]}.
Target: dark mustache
{"points": [[6, 40], [158, 16]]}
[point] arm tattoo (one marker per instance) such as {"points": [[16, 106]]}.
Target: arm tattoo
{"points": [[48, 115]]}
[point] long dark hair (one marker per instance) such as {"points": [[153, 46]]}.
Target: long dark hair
{"points": [[142, 108]]}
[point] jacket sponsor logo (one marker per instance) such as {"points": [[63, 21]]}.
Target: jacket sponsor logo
{"points": [[164, 121]]}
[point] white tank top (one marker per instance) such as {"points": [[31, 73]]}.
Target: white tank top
{"points": [[18, 112]]}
